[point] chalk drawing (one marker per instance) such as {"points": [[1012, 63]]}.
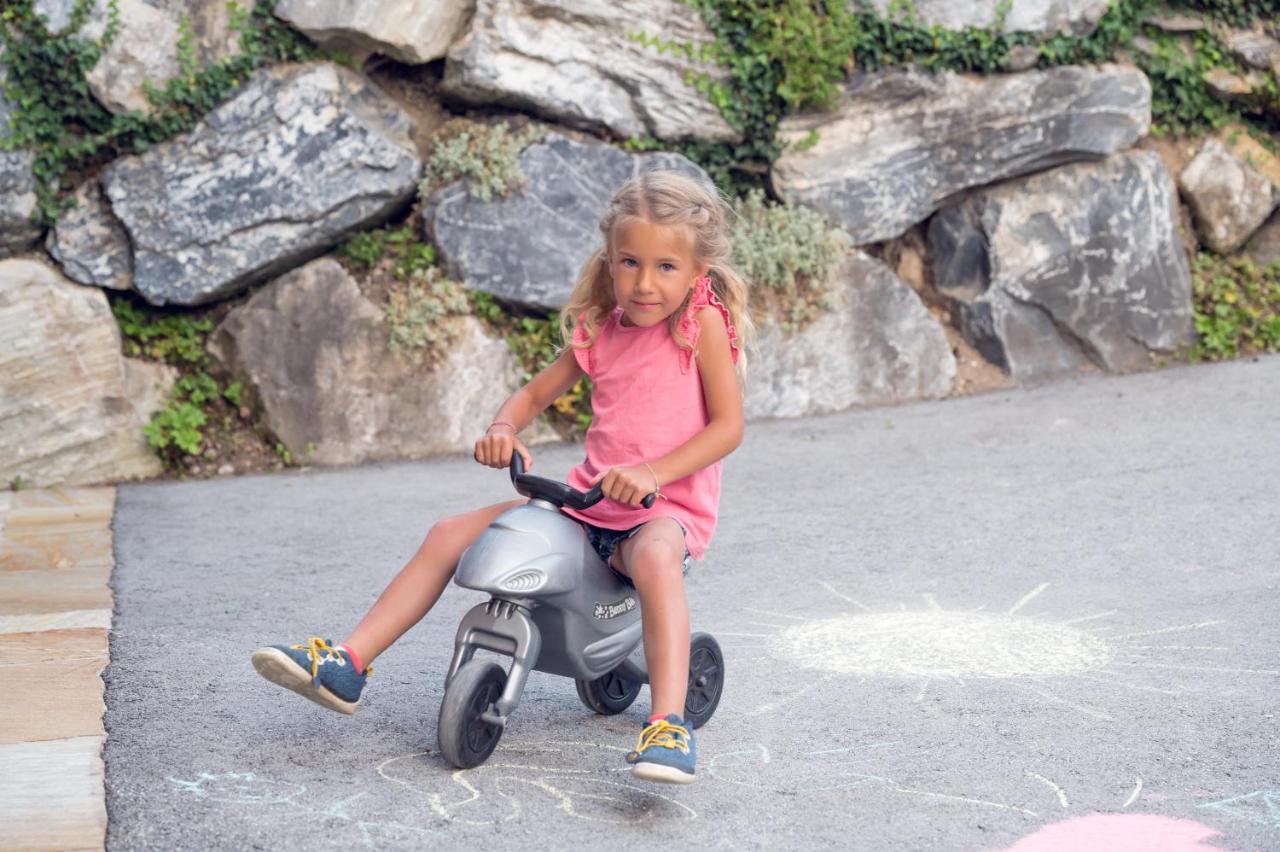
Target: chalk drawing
{"points": [[938, 644], [248, 788], [1062, 796], [1133, 797], [1121, 833], [496, 792], [1261, 806]]}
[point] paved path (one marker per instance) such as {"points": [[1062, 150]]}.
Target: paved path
{"points": [[950, 625]]}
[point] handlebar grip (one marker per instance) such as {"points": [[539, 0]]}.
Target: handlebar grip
{"points": [[649, 500]]}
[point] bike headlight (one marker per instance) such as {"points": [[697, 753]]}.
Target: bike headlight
{"points": [[525, 581]]}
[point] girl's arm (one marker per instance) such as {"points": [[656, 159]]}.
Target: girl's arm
{"points": [[721, 435], [495, 448]]}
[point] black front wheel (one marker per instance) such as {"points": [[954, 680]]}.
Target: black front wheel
{"points": [[706, 679], [467, 740], [608, 694]]}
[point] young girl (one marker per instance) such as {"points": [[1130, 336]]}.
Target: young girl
{"points": [[660, 314]]}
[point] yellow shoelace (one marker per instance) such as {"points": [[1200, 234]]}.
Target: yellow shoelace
{"points": [[315, 647], [663, 734]]}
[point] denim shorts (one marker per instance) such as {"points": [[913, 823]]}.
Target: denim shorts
{"points": [[605, 541]]}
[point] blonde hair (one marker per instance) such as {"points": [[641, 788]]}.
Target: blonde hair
{"points": [[669, 199]]}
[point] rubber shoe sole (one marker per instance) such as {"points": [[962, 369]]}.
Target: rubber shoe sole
{"points": [[275, 666], [662, 773]]}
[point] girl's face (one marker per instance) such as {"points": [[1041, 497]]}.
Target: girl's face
{"points": [[653, 270]]}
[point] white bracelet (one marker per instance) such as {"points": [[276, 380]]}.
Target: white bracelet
{"points": [[657, 489]]}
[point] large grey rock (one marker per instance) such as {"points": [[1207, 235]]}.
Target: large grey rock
{"points": [[878, 344], [90, 243], [1046, 17], [1075, 265], [332, 381], [17, 202], [1229, 198], [902, 142], [1264, 245], [146, 47], [301, 157], [547, 230], [576, 62], [1254, 48], [69, 412], [412, 31], [17, 186]]}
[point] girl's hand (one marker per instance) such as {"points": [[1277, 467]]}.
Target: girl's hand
{"points": [[497, 445], [627, 485]]}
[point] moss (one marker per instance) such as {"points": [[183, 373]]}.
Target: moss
{"points": [[416, 310]]}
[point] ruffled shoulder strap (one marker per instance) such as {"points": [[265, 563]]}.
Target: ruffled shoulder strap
{"points": [[703, 297], [579, 339]]}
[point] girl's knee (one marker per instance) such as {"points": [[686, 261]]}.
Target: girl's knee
{"points": [[654, 560]]}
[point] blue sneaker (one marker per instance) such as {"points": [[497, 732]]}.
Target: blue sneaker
{"points": [[315, 670], [665, 752]]}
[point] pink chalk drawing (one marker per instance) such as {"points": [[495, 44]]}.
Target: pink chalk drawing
{"points": [[1121, 833]]}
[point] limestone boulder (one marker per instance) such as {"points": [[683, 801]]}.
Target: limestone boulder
{"points": [[546, 230], [1229, 197], [412, 31], [576, 62], [1074, 266], [901, 142], [145, 49], [877, 345], [90, 244], [1044, 17], [314, 352], [72, 407], [301, 157]]}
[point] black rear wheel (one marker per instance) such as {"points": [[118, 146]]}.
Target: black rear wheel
{"points": [[467, 740], [608, 694], [706, 679]]}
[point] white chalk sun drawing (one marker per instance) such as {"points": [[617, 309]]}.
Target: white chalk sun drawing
{"points": [[936, 645]]}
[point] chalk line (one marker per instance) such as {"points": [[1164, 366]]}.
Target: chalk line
{"points": [[920, 695], [770, 612], [1182, 647], [1133, 797], [1196, 626], [842, 596], [769, 624], [966, 799], [1026, 599], [753, 635], [1197, 668], [1127, 685], [765, 708], [932, 602], [1097, 714], [1088, 617], [1062, 795]]}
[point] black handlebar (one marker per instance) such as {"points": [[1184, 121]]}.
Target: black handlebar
{"points": [[558, 492]]}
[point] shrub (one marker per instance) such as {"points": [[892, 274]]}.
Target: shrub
{"points": [[487, 155], [790, 251], [1236, 306]]}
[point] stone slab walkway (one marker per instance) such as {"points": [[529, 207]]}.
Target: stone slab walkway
{"points": [[55, 615]]}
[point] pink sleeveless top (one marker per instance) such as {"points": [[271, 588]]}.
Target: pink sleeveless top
{"points": [[646, 401]]}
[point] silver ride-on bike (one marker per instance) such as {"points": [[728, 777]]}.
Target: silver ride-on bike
{"points": [[557, 608]]}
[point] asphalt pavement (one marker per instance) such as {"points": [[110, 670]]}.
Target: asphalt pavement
{"points": [[1034, 616]]}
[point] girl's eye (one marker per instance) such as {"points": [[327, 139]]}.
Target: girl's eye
{"points": [[626, 261], [668, 267]]}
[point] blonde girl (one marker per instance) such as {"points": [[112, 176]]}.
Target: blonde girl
{"points": [[659, 316]]}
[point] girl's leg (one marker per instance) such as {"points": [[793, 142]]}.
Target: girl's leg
{"points": [[651, 558], [421, 581]]}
